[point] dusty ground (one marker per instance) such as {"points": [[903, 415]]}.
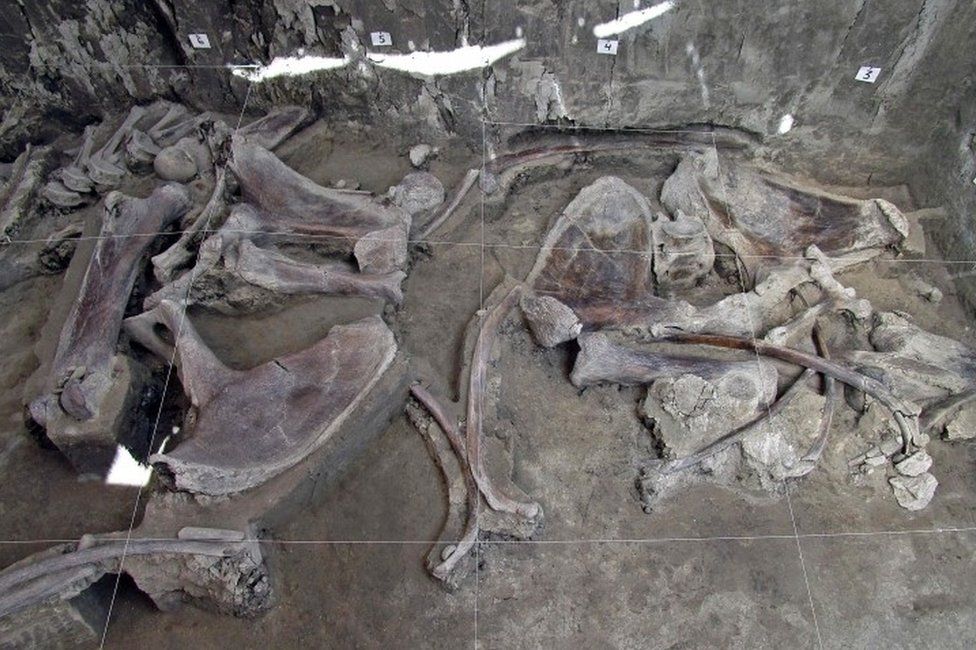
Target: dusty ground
{"points": [[835, 560]]}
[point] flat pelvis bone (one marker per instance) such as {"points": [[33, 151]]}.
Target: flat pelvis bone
{"points": [[253, 424]]}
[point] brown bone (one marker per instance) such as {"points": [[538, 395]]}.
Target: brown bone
{"points": [[446, 568], [300, 205], [253, 424], [476, 398], [764, 219], [86, 368]]}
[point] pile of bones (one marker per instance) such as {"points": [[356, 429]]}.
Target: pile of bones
{"points": [[746, 385]]}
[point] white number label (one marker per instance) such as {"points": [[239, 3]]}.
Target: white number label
{"points": [[867, 74], [200, 41], [381, 38], [607, 46]]}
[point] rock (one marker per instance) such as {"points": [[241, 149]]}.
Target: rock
{"points": [[419, 154], [962, 426], [875, 460], [382, 251], [914, 465], [927, 291], [690, 412], [551, 321], [346, 184], [914, 492], [175, 164], [774, 447], [417, 192]]}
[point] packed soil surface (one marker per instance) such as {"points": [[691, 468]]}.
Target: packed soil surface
{"points": [[714, 566]]}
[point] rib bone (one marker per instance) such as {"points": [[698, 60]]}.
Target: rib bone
{"points": [[476, 397], [446, 569], [200, 567]]}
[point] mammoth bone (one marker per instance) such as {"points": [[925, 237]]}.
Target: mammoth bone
{"points": [[89, 387], [764, 218], [250, 425], [284, 208]]}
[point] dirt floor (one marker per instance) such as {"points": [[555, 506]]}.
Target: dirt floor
{"points": [[830, 560]]}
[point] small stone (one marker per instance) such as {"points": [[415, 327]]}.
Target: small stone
{"points": [[419, 154], [346, 184], [175, 164], [914, 492], [448, 551], [924, 289], [417, 192], [914, 465], [382, 251], [962, 426], [550, 320], [875, 461]]}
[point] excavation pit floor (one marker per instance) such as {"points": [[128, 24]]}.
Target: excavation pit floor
{"points": [[830, 558]]}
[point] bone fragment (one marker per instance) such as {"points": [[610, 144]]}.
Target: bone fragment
{"points": [[476, 397], [446, 569], [466, 184], [905, 413], [274, 128]]}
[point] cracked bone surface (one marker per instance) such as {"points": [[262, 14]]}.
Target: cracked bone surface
{"points": [[301, 206], [285, 208], [601, 255], [251, 425], [251, 275], [46, 595], [915, 364], [88, 394], [763, 217], [593, 274], [597, 254], [18, 194]]}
